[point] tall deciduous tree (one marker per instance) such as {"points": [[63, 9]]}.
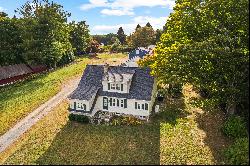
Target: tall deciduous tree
{"points": [[10, 41], [79, 36], [121, 35], [45, 31], [206, 43]]}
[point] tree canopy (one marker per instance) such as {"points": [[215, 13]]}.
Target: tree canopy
{"points": [[142, 37], [206, 44], [79, 36], [41, 35]]}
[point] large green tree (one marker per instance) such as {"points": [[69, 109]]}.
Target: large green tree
{"points": [[10, 40], [206, 43], [46, 33], [142, 37], [79, 36]]}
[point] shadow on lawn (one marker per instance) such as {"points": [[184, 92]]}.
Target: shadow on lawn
{"points": [[211, 122], [101, 144]]}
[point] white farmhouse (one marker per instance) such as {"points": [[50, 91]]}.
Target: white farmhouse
{"points": [[115, 90]]}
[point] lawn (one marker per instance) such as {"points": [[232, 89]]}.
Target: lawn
{"points": [[18, 100], [180, 134]]}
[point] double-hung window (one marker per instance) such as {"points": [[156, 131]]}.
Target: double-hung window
{"points": [[122, 103], [141, 106], [117, 87], [113, 86]]}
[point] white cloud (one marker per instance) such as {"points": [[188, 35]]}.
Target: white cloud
{"points": [[94, 4], [2, 9], [131, 4], [126, 6], [157, 23], [116, 12]]}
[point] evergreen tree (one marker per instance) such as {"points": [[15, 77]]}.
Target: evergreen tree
{"points": [[121, 35], [148, 25], [137, 27]]}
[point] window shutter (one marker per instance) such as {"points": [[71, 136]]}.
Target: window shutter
{"points": [[108, 86], [135, 105], [74, 105], [142, 106], [110, 101], [146, 106], [84, 106], [121, 87], [117, 102], [125, 103], [105, 103]]}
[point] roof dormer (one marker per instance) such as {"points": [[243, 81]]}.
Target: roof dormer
{"points": [[116, 80]]}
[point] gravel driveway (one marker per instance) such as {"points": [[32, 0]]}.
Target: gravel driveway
{"points": [[21, 127]]}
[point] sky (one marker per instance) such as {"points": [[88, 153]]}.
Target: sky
{"points": [[106, 16]]}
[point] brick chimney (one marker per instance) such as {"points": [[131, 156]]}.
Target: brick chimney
{"points": [[105, 68]]}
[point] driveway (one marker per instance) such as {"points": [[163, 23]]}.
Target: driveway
{"points": [[25, 124]]}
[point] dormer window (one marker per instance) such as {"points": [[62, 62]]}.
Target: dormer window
{"points": [[112, 86], [115, 86]]}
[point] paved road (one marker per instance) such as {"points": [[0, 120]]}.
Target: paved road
{"points": [[21, 127]]}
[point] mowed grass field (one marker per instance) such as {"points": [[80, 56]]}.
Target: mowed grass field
{"points": [[18, 100], [179, 134]]}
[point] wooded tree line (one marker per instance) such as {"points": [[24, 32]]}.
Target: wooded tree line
{"points": [[41, 35], [141, 37], [206, 43]]}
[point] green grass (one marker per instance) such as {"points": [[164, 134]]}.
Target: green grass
{"points": [[18, 100], [180, 134], [72, 143]]}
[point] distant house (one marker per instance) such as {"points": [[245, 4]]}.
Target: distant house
{"points": [[115, 90], [139, 53], [12, 73]]}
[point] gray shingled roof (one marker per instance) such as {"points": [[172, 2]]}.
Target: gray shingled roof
{"points": [[91, 81], [14, 70]]}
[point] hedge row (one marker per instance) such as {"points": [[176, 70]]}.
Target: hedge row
{"points": [[79, 118]]}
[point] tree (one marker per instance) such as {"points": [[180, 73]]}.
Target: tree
{"points": [[3, 14], [121, 35], [105, 39], [206, 44], [158, 33], [148, 25], [137, 27], [93, 46], [79, 36], [142, 37], [116, 43], [45, 32], [10, 41]]}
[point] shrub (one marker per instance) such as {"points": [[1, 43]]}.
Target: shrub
{"points": [[120, 120], [234, 127], [79, 118], [237, 154], [71, 117]]}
